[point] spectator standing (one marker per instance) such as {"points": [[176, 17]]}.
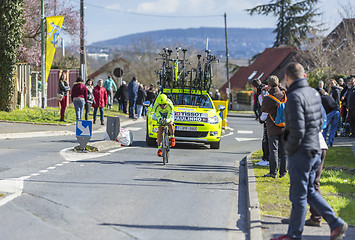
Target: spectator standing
{"points": [[303, 119], [90, 87], [316, 219], [150, 94], [258, 87], [334, 91], [122, 96], [351, 106], [140, 99], [79, 97], [320, 86], [100, 96], [342, 84], [63, 90], [109, 85], [332, 110], [132, 95], [276, 143], [344, 100]]}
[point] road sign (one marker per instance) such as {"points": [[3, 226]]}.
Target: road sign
{"points": [[83, 132], [118, 72], [83, 128]]}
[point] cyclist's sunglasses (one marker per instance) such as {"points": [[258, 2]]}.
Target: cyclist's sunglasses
{"points": [[162, 105]]}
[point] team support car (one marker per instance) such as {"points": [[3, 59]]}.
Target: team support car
{"points": [[196, 118]]}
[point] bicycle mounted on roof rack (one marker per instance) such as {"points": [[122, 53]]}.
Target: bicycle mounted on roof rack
{"points": [[174, 76]]}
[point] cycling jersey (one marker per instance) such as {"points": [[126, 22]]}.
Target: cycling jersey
{"points": [[167, 112]]}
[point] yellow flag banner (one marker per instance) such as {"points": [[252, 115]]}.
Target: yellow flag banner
{"points": [[54, 27]]}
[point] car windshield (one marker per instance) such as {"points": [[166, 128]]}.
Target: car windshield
{"points": [[202, 101]]}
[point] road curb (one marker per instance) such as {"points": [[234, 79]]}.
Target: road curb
{"points": [[254, 217]]}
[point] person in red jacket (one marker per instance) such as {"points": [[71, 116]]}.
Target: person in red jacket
{"points": [[100, 100], [79, 97]]}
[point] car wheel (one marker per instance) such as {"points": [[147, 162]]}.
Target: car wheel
{"points": [[150, 141], [215, 145]]}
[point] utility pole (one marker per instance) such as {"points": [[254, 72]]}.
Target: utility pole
{"points": [[227, 63], [82, 43], [43, 58]]}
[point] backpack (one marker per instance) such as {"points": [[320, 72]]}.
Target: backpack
{"points": [[280, 115]]}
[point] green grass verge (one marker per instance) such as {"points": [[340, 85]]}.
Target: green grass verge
{"points": [[49, 114], [338, 187]]}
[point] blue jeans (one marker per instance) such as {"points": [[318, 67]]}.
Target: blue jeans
{"points": [[277, 151], [132, 107], [333, 121], [79, 108], [302, 168], [101, 114], [139, 110]]}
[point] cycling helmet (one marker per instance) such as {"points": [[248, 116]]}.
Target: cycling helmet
{"points": [[163, 99]]}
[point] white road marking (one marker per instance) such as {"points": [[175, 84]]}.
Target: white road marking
{"points": [[244, 132], [13, 187], [43, 171], [231, 133], [24, 177], [34, 174], [59, 164], [133, 129], [51, 168], [247, 139]]}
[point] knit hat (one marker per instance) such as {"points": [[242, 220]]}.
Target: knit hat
{"points": [[273, 81]]}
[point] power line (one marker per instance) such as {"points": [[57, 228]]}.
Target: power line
{"points": [[151, 15]]}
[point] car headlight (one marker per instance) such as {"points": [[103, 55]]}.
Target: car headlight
{"points": [[213, 120]]}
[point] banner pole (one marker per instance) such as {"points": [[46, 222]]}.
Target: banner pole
{"points": [[43, 80]]}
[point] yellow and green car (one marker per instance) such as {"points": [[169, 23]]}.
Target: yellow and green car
{"points": [[196, 118]]}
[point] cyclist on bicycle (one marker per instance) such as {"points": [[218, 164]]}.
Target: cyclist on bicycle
{"points": [[164, 110]]}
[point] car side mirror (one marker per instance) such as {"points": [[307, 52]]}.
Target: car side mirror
{"points": [[146, 103], [221, 108]]}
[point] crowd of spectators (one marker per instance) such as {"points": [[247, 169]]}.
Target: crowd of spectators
{"points": [[338, 101], [85, 96]]}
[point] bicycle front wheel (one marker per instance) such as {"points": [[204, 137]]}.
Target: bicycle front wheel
{"points": [[165, 147]]}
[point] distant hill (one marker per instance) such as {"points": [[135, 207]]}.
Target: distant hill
{"points": [[243, 43]]}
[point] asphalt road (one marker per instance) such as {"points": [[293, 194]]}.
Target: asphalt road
{"points": [[127, 193]]}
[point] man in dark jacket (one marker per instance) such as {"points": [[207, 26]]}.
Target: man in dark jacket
{"points": [[334, 91], [132, 94], [140, 99], [276, 143], [122, 96], [303, 119], [150, 94], [332, 110]]}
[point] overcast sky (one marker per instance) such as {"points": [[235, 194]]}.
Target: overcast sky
{"points": [[107, 19]]}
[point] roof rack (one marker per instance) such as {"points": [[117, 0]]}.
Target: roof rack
{"points": [[174, 74]]}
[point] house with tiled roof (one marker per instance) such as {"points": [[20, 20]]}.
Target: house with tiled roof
{"points": [[270, 62], [107, 69]]}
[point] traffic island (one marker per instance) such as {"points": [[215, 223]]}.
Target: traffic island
{"points": [[101, 146]]}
